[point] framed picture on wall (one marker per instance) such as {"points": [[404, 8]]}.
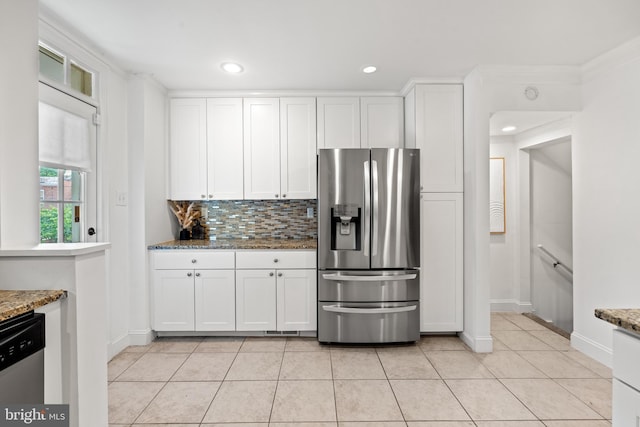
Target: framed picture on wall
{"points": [[497, 216]]}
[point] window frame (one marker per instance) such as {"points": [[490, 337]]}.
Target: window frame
{"points": [[65, 85]]}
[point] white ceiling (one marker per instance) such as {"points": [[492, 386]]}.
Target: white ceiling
{"points": [[323, 44]]}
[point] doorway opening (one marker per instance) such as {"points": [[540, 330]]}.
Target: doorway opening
{"points": [[531, 261]]}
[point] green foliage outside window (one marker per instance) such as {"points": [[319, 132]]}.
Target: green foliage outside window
{"points": [[49, 224]]}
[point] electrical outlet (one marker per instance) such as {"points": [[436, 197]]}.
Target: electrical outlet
{"points": [[309, 212], [121, 198], [204, 212]]}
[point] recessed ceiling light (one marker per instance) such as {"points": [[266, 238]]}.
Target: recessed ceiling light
{"points": [[508, 129], [231, 67], [369, 69]]}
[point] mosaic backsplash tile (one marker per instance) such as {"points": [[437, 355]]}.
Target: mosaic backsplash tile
{"points": [[258, 219]]}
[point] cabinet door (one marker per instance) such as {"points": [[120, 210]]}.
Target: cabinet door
{"points": [[298, 148], [339, 122], [215, 300], [382, 122], [188, 149], [255, 300], [297, 303], [172, 296], [441, 265], [438, 135], [261, 148], [224, 149], [626, 404]]}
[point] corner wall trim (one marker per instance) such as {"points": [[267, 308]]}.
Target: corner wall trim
{"points": [[478, 344]]}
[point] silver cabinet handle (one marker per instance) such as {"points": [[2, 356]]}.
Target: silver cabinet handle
{"points": [[367, 208], [271, 274], [275, 260], [189, 274], [279, 274], [284, 195], [211, 196], [277, 195], [345, 278], [353, 310], [193, 261], [197, 274], [203, 196]]}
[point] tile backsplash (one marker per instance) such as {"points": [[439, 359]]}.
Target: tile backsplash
{"points": [[258, 219]]}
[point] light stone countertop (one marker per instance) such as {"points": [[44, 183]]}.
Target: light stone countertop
{"points": [[232, 244], [626, 318], [15, 303]]}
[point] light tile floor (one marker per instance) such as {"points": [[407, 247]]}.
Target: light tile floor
{"points": [[532, 379]]}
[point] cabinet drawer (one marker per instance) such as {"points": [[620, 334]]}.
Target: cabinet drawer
{"points": [[276, 259], [172, 260], [626, 349]]}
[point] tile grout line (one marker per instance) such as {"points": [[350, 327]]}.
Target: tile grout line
{"points": [[221, 382], [275, 392], [391, 387]]}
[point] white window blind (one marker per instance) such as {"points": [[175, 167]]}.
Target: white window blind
{"points": [[63, 139]]}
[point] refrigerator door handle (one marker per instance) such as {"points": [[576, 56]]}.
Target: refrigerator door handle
{"points": [[367, 207], [352, 310], [376, 206], [388, 278]]}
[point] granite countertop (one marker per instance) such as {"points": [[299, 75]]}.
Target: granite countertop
{"points": [[238, 244], [626, 318], [15, 303]]}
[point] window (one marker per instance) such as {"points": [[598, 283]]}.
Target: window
{"points": [[59, 68], [67, 153]]}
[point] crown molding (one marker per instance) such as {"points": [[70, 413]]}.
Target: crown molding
{"points": [[273, 93], [412, 82], [617, 57]]}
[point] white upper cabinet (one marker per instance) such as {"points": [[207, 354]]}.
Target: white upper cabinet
{"points": [[298, 148], [338, 122], [261, 148], [188, 148], [224, 148], [381, 123], [435, 125], [206, 149]]}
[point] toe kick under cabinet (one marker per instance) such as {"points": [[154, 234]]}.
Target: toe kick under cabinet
{"points": [[244, 290]]}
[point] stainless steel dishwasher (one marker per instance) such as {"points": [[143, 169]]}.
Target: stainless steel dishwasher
{"points": [[22, 359]]}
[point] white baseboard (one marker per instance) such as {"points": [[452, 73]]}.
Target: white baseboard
{"points": [[511, 305], [141, 336], [478, 344], [117, 346], [592, 349]]}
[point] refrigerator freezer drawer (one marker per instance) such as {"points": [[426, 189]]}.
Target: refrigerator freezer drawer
{"points": [[368, 286], [366, 323]]}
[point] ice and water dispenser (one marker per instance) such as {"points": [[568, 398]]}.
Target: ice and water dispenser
{"points": [[345, 227]]}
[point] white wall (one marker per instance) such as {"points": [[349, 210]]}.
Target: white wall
{"points": [[19, 182], [551, 226], [606, 192], [503, 275], [149, 217]]}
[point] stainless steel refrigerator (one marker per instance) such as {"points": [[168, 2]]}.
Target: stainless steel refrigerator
{"points": [[368, 245]]}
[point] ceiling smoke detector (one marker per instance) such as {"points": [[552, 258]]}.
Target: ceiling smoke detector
{"points": [[531, 93]]}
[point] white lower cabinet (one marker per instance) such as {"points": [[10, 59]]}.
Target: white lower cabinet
{"points": [[172, 300], [276, 300], [441, 286], [214, 300], [296, 300], [626, 379], [192, 290], [255, 296], [255, 300]]}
